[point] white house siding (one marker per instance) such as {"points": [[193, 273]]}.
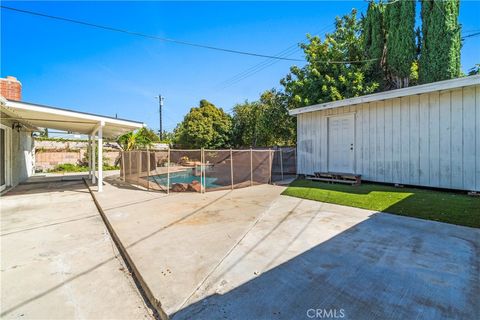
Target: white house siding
{"points": [[430, 139], [21, 156]]}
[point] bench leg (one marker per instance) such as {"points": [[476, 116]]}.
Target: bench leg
{"points": [[358, 181]]}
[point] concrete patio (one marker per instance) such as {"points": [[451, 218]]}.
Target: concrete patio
{"points": [[57, 259], [252, 253]]}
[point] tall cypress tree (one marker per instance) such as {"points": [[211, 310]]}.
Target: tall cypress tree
{"points": [[441, 41], [401, 48], [374, 42]]}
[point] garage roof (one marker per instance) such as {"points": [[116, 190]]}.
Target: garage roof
{"points": [[424, 88], [37, 115]]}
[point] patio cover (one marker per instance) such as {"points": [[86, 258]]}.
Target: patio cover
{"points": [[41, 116], [34, 116]]}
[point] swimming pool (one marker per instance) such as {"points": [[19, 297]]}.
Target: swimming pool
{"points": [[186, 176]]}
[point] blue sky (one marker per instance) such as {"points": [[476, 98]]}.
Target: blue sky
{"points": [[92, 70]]}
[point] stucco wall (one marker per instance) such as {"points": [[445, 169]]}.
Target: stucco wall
{"points": [[21, 147], [22, 158]]}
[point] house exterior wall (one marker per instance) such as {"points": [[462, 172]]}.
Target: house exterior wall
{"points": [[23, 161], [430, 139], [21, 156]]}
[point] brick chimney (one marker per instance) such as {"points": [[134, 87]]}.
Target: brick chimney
{"points": [[11, 88]]}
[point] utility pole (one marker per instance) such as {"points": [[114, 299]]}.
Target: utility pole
{"points": [[160, 106]]}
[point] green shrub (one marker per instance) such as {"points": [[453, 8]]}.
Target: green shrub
{"points": [[69, 167]]}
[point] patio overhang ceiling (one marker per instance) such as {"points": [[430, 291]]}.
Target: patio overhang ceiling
{"points": [[41, 116]]}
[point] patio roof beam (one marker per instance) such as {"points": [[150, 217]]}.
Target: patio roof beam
{"points": [[97, 126], [100, 157]]}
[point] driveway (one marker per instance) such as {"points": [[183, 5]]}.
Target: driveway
{"points": [[255, 254], [57, 259]]}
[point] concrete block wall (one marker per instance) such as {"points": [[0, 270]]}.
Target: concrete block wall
{"points": [[49, 154]]}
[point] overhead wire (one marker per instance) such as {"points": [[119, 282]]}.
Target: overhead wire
{"points": [[267, 63], [475, 34], [149, 36]]}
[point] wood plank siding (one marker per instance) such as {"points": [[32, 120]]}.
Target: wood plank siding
{"points": [[429, 139]]}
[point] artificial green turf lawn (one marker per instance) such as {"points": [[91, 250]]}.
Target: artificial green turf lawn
{"points": [[441, 206]]}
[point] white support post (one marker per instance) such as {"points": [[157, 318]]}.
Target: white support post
{"points": [[89, 151], [94, 169], [100, 157]]}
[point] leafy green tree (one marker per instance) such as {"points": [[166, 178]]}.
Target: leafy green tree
{"points": [[401, 46], [441, 41], [168, 137], [141, 138], [246, 124], [334, 68], [265, 122], [204, 126], [279, 128]]}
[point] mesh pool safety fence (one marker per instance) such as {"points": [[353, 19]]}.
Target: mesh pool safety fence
{"points": [[202, 170]]}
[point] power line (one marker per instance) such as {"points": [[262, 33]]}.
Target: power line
{"points": [[134, 33], [250, 71], [265, 64], [471, 35], [285, 53]]}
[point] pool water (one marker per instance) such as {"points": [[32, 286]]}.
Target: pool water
{"points": [[183, 177]]}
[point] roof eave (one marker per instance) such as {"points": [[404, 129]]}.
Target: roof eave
{"points": [[424, 88]]}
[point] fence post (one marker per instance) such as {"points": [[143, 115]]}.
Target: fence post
{"points": [[123, 165], [139, 165], [130, 165], [251, 167], [202, 171], [148, 169], [231, 167], [270, 163], [168, 171], [295, 159], [281, 162]]}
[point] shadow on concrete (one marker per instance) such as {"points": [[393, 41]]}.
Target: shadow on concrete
{"points": [[58, 286], [186, 216], [386, 267], [116, 181], [45, 187], [48, 225]]}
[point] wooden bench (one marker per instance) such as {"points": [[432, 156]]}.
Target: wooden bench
{"points": [[340, 177]]}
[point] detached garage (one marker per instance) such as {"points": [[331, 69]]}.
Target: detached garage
{"points": [[427, 135]]}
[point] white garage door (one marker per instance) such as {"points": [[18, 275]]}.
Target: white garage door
{"points": [[341, 155]]}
